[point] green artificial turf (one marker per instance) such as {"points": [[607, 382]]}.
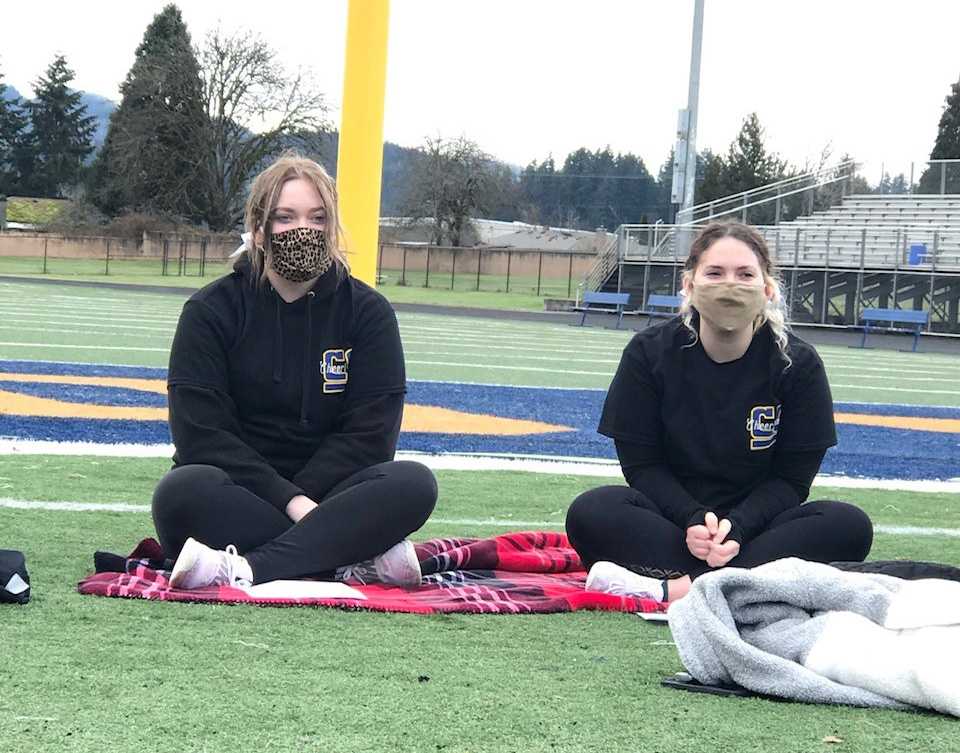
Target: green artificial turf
{"points": [[93, 674]]}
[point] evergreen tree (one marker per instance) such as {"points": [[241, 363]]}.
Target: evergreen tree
{"points": [[13, 124], [62, 133], [713, 175], [748, 163], [153, 148], [591, 190], [947, 146], [538, 191]]}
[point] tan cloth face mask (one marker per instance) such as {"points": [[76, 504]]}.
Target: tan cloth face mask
{"points": [[729, 306]]}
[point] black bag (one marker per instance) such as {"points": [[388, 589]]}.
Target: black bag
{"points": [[14, 580]]}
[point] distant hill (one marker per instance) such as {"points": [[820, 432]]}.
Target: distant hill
{"points": [[100, 108]]}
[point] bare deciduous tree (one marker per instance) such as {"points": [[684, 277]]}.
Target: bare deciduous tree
{"points": [[255, 110], [451, 180]]}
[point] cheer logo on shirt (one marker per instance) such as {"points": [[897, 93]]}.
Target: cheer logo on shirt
{"points": [[334, 367], [762, 426]]}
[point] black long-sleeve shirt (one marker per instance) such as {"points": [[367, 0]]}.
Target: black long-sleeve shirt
{"points": [[287, 398], [744, 439]]}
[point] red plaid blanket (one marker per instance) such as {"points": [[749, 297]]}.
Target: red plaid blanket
{"points": [[516, 573]]}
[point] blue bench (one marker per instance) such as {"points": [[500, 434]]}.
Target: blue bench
{"points": [[661, 305], [915, 320], [611, 303]]}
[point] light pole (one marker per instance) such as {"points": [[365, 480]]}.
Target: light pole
{"points": [[685, 159]]}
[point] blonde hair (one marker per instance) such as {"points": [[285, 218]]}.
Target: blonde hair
{"points": [[775, 312], [262, 199]]}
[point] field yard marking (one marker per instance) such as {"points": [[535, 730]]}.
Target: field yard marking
{"points": [[522, 348], [898, 379], [891, 389], [477, 334], [83, 347], [29, 504], [508, 368], [525, 329], [526, 357], [530, 386], [93, 318], [28, 327], [947, 372]]}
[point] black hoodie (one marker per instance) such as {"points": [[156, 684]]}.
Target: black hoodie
{"points": [[287, 398]]}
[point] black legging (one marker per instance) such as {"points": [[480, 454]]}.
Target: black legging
{"points": [[361, 517], [622, 525]]}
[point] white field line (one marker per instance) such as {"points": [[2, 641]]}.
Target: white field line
{"points": [[442, 323], [46, 299], [947, 372], [559, 358], [880, 388], [71, 317], [168, 333], [113, 294], [38, 310], [499, 367], [521, 386], [82, 347], [29, 504], [434, 341], [902, 359], [897, 379], [532, 343], [557, 465], [475, 334], [100, 323], [45, 293]]}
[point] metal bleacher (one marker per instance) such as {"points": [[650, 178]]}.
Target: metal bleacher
{"points": [[866, 251], [879, 231]]}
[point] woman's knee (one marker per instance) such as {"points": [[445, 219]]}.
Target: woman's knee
{"points": [[852, 525], [419, 487], [586, 512], [179, 489]]}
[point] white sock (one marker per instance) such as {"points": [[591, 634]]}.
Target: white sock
{"points": [[244, 571]]}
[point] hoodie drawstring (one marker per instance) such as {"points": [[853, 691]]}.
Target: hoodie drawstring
{"points": [[307, 359], [277, 342]]}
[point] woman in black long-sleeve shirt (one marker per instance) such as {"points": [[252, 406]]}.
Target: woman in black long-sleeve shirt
{"points": [[721, 418], [285, 388]]}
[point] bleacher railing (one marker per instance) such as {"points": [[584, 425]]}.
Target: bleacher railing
{"points": [[917, 247], [796, 194], [930, 177]]}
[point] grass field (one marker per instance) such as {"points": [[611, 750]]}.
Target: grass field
{"points": [[87, 674]]}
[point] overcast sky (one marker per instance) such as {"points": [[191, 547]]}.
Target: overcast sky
{"points": [[526, 78]]}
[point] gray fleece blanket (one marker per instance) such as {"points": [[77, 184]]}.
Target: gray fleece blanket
{"points": [[809, 632]]}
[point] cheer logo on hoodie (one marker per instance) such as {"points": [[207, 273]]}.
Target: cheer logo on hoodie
{"points": [[763, 425], [334, 366]]}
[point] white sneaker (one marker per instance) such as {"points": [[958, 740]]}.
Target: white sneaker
{"points": [[398, 566], [609, 578], [198, 565]]}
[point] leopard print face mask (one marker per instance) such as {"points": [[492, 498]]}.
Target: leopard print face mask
{"points": [[300, 254]]}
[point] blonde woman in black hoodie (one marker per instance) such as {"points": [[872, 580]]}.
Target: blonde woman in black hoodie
{"points": [[285, 388]]}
